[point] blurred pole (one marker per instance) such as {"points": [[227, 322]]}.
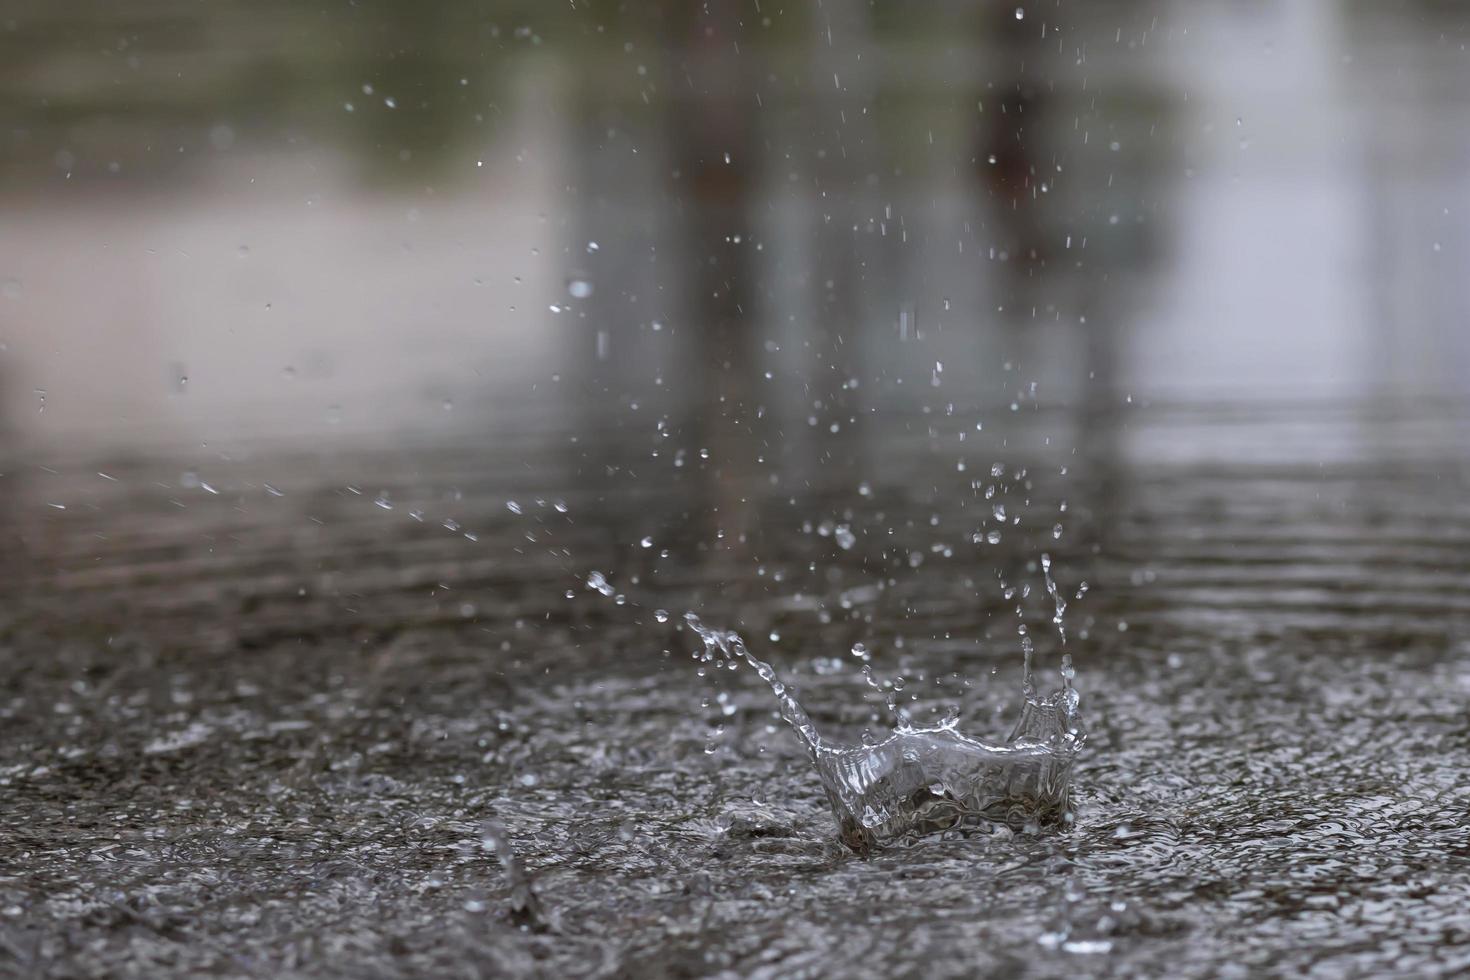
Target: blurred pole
{"points": [[715, 152]]}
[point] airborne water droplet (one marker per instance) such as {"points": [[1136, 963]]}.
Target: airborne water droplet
{"points": [[598, 581]]}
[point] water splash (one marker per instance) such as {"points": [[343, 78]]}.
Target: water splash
{"points": [[922, 781], [916, 781], [1058, 600], [524, 907], [729, 645]]}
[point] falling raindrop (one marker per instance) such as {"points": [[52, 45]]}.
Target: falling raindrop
{"points": [[598, 582]]}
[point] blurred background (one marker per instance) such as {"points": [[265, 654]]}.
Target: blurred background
{"points": [[272, 223]]}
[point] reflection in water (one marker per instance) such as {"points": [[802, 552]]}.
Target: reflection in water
{"points": [[788, 219], [158, 90], [782, 247], [1415, 232]]}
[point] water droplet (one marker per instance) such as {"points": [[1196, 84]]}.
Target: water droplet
{"points": [[579, 288], [1020, 13], [647, 542], [513, 507], [661, 615], [906, 324]]}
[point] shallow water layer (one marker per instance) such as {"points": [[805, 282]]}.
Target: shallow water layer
{"points": [[291, 731]]}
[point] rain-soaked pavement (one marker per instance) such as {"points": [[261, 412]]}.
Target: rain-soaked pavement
{"points": [[317, 714]]}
